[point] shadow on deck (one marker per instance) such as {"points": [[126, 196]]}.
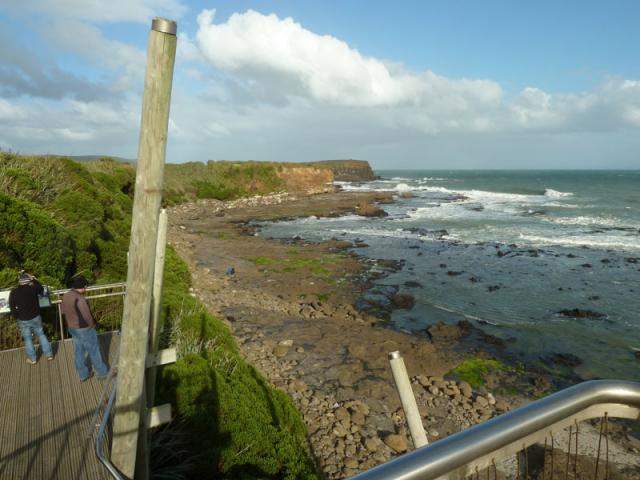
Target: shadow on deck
{"points": [[46, 415]]}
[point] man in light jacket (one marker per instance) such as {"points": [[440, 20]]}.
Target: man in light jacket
{"points": [[25, 307], [82, 326]]}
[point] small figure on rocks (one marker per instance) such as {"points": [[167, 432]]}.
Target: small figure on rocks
{"points": [[82, 327], [25, 308]]}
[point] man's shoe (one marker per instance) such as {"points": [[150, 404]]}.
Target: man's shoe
{"points": [[31, 362], [50, 358]]}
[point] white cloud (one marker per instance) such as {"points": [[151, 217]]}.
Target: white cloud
{"points": [[258, 86], [273, 58]]}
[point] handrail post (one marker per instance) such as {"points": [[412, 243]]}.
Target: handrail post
{"points": [[144, 232], [408, 400], [59, 305]]}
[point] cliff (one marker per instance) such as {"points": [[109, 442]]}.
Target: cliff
{"points": [[306, 179], [348, 170]]}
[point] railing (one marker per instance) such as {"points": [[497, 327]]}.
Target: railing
{"points": [[93, 293], [106, 304], [102, 429], [482, 447]]}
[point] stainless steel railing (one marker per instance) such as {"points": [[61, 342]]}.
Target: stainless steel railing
{"points": [[482, 446], [94, 292], [100, 437], [106, 300]]}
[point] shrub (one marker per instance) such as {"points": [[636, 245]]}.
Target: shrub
{"points": [[242, 427], [32, 240]]}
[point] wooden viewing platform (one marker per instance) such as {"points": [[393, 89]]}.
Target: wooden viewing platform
{"points": [[46, 415]]}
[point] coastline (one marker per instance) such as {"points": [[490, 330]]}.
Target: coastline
{"points": [[289, 305]]}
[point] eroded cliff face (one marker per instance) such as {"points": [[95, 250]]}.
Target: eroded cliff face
{"points": [[309, 180], [349, 170]]}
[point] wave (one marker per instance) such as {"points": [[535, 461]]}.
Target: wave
{"points": [[588, 241], [551, 193], [585, 221]]}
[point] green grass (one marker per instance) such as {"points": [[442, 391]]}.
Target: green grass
{"points": [[220, 180], [59, 218], [473, 370]]}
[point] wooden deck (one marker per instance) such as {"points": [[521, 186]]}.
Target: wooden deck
{"points": [[46, 415]]}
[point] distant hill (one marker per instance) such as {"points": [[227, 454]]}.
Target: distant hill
{"points": [[347, 170], [91, 158]]}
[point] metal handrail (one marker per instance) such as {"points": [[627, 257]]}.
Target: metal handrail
{"points": [[104, 459], [510, 432], [93, 288]]}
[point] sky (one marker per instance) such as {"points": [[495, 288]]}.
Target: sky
{"points": [[407, 84]]}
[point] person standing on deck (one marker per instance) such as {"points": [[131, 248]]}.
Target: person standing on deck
{"points": [[82, 327], [25, 308]]}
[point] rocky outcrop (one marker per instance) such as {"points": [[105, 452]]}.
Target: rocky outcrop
{"points": [[310, 180], [349, 170]]}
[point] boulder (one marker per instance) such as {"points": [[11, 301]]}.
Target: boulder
{"points": [[368, 210], [403, 300], [397, 443]]}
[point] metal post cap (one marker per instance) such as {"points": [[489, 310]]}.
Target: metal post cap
{"points": [[394, 355], [164, 25]]}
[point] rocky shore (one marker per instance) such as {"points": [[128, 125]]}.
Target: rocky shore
{"points": [[292, 308]]}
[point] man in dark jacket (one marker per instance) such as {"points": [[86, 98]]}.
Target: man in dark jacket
{"points": [[25, 307], [82, 327]]}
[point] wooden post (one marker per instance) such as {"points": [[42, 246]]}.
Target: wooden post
{"points": [[156, 321], [142, 247]]}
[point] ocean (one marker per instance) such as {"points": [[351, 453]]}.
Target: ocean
{"points": [[515, 252]]}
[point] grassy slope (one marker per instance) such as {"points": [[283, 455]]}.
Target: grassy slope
{"points": [[59, 218]]}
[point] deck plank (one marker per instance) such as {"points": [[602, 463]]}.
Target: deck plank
{"points": [[46, 415]]}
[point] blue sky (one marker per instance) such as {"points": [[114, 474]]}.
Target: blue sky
{"points": [[493, 84]]}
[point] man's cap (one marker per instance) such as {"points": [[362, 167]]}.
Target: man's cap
{"points": [[24, 278], [79, 282]]}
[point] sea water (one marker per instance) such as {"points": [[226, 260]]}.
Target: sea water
{"points": [[509, 250]]}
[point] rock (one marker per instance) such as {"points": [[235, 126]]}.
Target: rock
{"points": [[403, 300], [466, 389], [368, 210], [298, 386], [491, 399], [339, 430], [443, 332], [579, 313], [342, 414], [502, 406], [483, 402], [566, 359], [396, 442], [351, 462], [280, 351], [372, 444], [412, 284], [358, 418]]}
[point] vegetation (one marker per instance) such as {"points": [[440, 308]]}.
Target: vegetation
{"points": [[59, 218], [473, 370], [220, 180]]}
